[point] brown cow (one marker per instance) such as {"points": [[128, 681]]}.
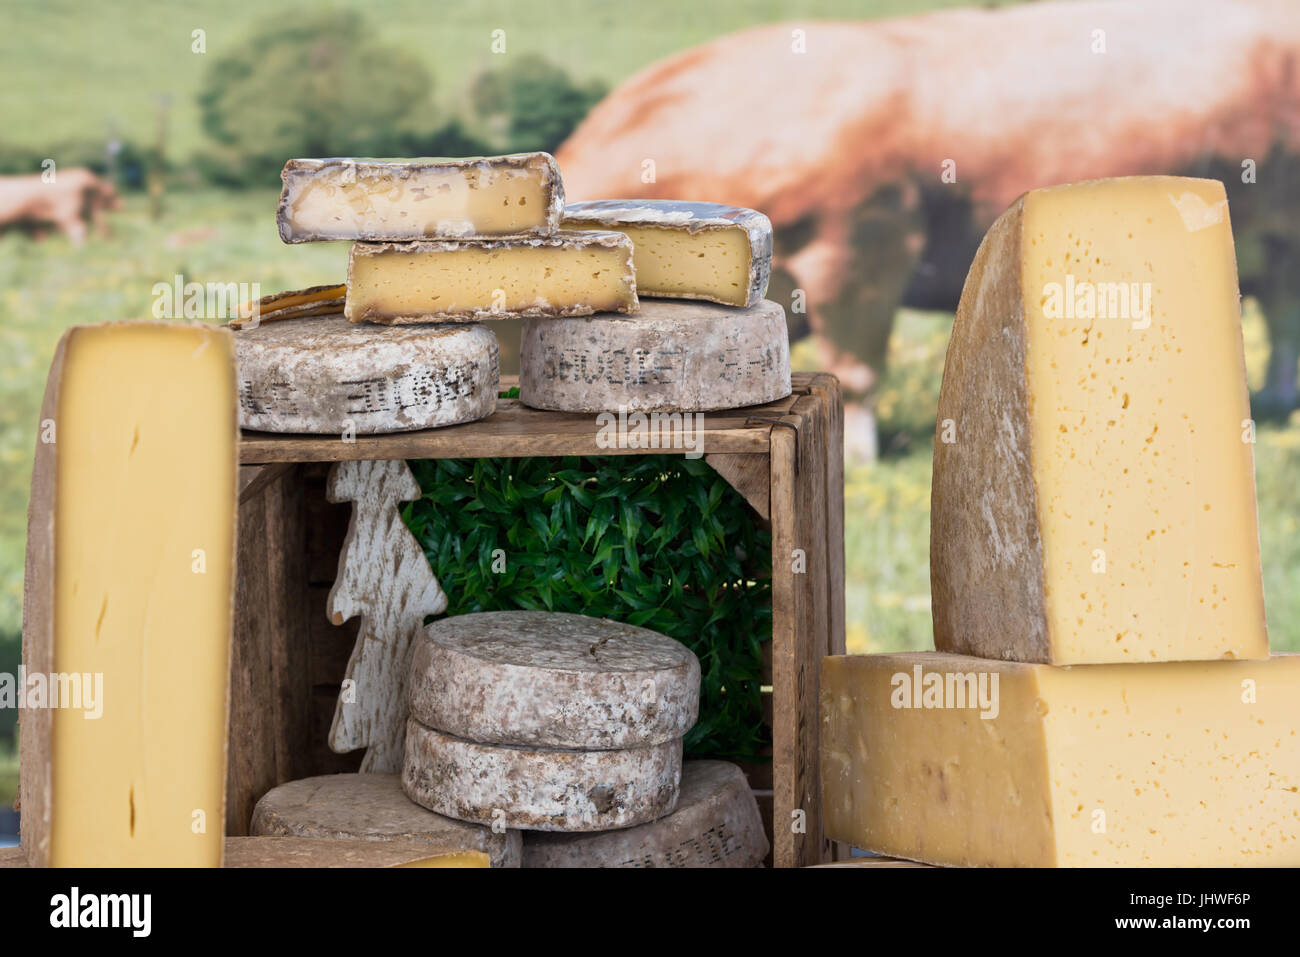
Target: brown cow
{"points": [[73, 202], [845, 144]]}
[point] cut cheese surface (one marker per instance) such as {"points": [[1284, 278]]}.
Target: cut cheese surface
{"points": [[688, 250], [373, 199], [1178, 764], [129, 584], [569, 274], [1093, 492]]}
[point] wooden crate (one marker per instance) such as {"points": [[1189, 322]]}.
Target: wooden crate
{"points": [[785, 458]]}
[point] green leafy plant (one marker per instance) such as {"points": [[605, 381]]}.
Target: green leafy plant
{"points": [[658, 541]]}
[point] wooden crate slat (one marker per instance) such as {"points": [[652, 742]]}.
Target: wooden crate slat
{"points": [[748, 474]]}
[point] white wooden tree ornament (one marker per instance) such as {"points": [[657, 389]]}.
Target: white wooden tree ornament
{"points": [[383, 577]]}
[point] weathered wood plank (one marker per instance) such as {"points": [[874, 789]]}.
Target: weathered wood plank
{"points": [[750, 475]]}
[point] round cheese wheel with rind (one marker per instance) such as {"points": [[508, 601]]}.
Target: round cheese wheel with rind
{"points": [[371, 807], [716, 824], [554, 680], [540, 788], [330, 376], [670, 356]]}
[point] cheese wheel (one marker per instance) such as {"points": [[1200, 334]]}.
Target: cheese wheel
{"points": [[371, 807], [544, 679], [327, 375], [538, 788], [716, 824], [671, 356]]}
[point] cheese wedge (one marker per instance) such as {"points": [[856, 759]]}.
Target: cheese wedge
{"points": [[129, 583], [376, 199], [687, 250], [1093, 496], [569, 274], [954, 760]]}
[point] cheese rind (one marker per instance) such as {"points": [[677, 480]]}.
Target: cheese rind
{"points": [[686, 250], [327, 375], [669, 357], [370, 199], [371, 807], [1180, 764], [129, 585], [553, 680], [539, 788], [568, 274], [1093, 495], [716, 824]]}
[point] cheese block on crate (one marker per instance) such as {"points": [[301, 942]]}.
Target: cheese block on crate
{"points": [[553, 680], [127, 600], [669, 357], [686, 250], [374, 199], [371, 807], [277, 852], [542, 789], [716, 824], [1093, 494], [327, 375], [967, 761], [567, 274]]}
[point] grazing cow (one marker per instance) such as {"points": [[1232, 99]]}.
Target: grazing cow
{"points": [[73, 202], [883, 150]]}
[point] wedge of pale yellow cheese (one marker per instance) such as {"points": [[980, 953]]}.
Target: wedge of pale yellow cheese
{"points": [[1093, 492], [948, 759], [127, 607]]}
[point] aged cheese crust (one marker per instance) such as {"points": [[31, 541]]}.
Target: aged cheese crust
{"points": [[540, 789], [688, 216], [291, 304], [371, 807], [553, 680], [298, 175], [670, 357], [329, 375], [624, 299], [716, 824]]}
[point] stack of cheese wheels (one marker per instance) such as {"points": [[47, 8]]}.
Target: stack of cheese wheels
{"points": [[708, 341], [548, 721]]}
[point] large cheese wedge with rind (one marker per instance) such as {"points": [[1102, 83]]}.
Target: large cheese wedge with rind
{"points": [[1093, 496]]}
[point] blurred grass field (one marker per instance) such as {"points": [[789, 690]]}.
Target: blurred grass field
{"points": [[47, 286]]}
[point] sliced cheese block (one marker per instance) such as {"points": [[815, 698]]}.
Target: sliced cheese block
{"points": [[553, 680], [1179, 764], [372, 199], [129, 585], [371, 807], [320, 852], [1093, 493], [334, 377], [669, 357], [687, 250], [568, 274], [716, 824], [316, 301], [538, 788]]}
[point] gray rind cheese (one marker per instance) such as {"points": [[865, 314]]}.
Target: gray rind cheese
{"points": [[538, 788], [553, 680], [690, 217], [346, 198], [371, 807], [670, 357], [330, 376], [716, 824]]}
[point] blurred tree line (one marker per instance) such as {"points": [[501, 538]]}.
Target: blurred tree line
{"points": [[323, 84]]}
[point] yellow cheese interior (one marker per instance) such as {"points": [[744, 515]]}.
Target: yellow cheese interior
{"points": [[144, 540], [400, 283], [1171, 764], [674, 263], [455, 859], [1146, 500], [430, 202]]}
